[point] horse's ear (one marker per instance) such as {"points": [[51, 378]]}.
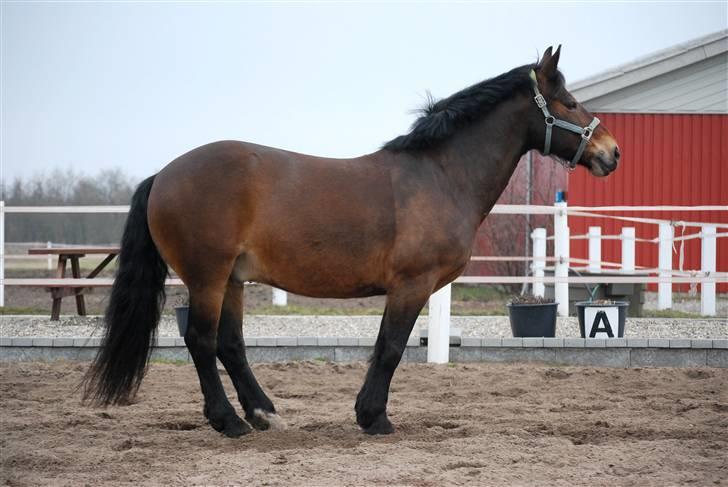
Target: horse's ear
{"points": [[549, 62], [546, 57], [555, 57]]}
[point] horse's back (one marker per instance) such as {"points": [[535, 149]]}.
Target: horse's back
{"points": [[314, 226]]}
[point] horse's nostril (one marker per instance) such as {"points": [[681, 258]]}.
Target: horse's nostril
{"points": [[617, 154]]}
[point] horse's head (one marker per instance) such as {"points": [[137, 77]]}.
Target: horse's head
{"points": [[563, 127]]}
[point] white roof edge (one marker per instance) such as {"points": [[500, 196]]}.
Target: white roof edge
{"points": [[650, 66]]}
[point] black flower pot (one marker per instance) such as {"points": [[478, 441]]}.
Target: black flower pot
{"points": [[602, 320], [533, 320], [181, 312]]}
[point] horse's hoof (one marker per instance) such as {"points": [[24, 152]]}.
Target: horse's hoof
{"points": [[264, 420], [231, 426], [236, 427], [380, 426]]}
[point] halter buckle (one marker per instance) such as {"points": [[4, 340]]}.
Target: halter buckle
{"points": [[540, 100], [586, 135], [550, 120]]}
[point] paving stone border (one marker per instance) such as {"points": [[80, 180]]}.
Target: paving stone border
{"points": [[618, 352]]}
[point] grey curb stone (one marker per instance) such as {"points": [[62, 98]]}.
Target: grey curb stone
{"points": [[492, 342], [679, 343], [84, 342], [665, 357], [266, 341], [286, 341], [415, 354], [658, 342], [470, 342], [249, 342], [574, 342], [327, 341], [367, 341], [721, 343], [552, 342], [602, 357], [413, 341], [595, 342], [306, 341], [351, 354], [467, 354], [617, 342], [716, 358], [637, 342], [701, 343], [533, 342], [348, 341], [22, 342], [180, 342], [165, 342], [42, 342], [512, 342], [5, 341]]}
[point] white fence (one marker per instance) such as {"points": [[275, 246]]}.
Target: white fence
{"points": [[664, 275]]}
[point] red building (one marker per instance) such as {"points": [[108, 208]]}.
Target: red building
{"points": [[669, 112]]}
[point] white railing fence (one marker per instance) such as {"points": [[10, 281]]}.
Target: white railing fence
{"points": [[664, 274]]}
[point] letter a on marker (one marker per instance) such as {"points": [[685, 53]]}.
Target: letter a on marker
{"points": [[601, 316]]}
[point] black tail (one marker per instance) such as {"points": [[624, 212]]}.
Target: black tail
{"points": [[137, 298]]}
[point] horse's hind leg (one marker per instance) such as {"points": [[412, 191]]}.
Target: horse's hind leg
{"points": [[400, 314], [259, 410], [201, 339]]}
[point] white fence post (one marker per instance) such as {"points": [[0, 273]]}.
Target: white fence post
{"points": [[539, 259], [707, 264], [50, 258], [561, 253], [595, 249], [628, 241], [664, 263], [438, 332], [280, 297], [2, 253]]}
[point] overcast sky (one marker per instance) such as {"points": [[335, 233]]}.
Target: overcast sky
{"points": [[99, 85]]}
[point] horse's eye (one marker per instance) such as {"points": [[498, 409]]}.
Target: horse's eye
{"points": [[570, 105]]}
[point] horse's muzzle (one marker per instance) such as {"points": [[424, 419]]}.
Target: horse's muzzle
{"points": [[604, 163]]}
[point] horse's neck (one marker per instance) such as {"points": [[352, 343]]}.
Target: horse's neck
{"points": [[481, 158]]}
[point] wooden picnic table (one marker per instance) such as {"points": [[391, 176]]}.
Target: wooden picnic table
{"points": [[73, 254]]}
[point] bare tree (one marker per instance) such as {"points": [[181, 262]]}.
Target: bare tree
{"points": [[68, 187]]}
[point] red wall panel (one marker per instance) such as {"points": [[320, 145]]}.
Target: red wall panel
{"points": [[667, 160]]}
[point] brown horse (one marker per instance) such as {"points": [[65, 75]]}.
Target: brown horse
{"points": [[400, 222]]}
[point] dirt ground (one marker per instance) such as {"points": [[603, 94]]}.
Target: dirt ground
{"points": [[480, 424]]}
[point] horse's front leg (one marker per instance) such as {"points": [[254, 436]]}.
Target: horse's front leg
{"points": [[400, 314]]}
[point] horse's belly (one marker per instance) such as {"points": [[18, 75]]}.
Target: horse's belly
{"points": [[308, 272]]}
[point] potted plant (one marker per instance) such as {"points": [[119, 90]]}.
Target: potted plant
{"points": [[532, 316], [181, 312], [601, 318]]}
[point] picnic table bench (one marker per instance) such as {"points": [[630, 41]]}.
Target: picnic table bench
{"points": [[59, 288]]}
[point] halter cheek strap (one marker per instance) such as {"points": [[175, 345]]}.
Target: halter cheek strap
{"points": [[585, 132]]}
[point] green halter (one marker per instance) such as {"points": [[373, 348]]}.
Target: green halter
{"points": [[585, 132]]}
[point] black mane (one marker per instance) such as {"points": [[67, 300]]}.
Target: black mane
{"points": [[439, 120]]}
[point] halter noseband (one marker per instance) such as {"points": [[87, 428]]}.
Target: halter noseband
{"points": [[585, 132]]}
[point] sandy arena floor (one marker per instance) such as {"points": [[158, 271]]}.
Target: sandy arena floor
{"points": [[479, 424]]}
